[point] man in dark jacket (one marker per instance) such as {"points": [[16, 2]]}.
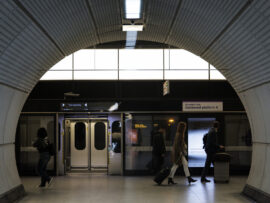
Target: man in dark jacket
{"points": [[44, 147], [211, 148], [159, 149]]}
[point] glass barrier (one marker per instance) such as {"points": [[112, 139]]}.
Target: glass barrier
{"points": [[139, 134], [27, 135]]}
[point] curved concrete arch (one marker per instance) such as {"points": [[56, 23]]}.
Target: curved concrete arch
{"points": [[231, 35]]}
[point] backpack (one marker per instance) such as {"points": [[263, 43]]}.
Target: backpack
{"points": [[204, 140], [40, 145]]}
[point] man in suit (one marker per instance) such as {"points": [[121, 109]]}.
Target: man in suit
{"points": [[211, 148]]}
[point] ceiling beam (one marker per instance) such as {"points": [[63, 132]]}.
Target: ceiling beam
{"points": [[173, 21], [94, 21]]}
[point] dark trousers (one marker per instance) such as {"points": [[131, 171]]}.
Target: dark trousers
{"points": [[157, 163], [42, 167], [208, 161]]}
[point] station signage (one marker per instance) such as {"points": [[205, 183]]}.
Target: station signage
{"points": [[81, 106], [199, 106]]}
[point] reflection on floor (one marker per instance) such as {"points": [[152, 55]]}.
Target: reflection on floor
{"points": [[100, 188]]}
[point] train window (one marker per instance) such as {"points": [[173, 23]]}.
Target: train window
{"points": [[80, 136], [116, 137], [100, 136], [116, 127]]}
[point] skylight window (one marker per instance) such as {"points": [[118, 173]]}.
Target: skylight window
{"points": [[133, 64], [133, 9]]}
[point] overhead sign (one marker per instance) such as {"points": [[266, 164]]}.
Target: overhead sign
{"points": [[166, 87], [86, 106], [202, 106], [80, 106]]}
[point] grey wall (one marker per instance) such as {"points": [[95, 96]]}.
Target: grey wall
{"points": [[11, 103], [257, 102]]}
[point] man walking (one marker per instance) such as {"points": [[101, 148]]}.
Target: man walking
{"points": [[159, 148], [211, 148]]}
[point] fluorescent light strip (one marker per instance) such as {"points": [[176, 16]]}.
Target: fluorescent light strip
{"points": [[132, 27], [131, 39], [133, 9]]}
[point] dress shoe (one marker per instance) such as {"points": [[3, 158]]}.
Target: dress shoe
{"points": [[205, 180], [191, 180], [170, 181]]}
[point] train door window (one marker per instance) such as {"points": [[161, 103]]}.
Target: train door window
{"points": [[100, 136], [197, 128], [116, 127], [116, 137], [80, 136]]}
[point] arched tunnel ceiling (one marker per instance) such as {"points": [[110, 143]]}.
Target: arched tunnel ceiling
{"points": [[229, 34]]}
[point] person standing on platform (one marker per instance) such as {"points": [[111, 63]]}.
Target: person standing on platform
{"points": [[44, 148], [211, 148], [159, 149], [179, 152]]}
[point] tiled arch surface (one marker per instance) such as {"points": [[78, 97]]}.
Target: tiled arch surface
{"points": [[37, 34]]}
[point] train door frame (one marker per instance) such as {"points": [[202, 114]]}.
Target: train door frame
{"points": [[67, 141]]}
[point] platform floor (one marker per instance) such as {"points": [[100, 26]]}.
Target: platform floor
{"points": [[100, 188]]}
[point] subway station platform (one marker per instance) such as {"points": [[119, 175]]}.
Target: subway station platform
{"points": [[102, 188]]}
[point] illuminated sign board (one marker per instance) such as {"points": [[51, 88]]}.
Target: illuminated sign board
{"points": [[86, 106], [74, 106], [202, 106], [140, 126]]}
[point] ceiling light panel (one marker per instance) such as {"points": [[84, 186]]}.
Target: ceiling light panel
{"points": [[132, 28], [133, 9]]}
